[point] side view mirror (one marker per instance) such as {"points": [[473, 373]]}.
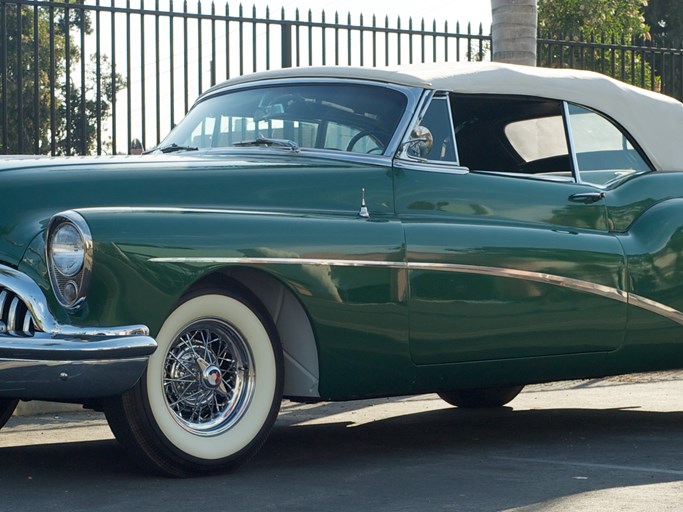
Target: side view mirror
{"points": [[420, 143]]}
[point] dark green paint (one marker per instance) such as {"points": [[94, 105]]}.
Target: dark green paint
{"points": [[379, 330]]}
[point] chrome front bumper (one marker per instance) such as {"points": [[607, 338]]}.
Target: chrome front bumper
{"points": [[42, 359]]}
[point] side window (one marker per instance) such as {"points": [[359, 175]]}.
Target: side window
{"points": [[603, 152], [438, 121], [512, 134]]}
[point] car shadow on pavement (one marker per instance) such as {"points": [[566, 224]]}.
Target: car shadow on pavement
{"points": [[482, 460]]}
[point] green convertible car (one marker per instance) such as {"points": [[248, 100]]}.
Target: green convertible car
{"points": [[345, 233]]}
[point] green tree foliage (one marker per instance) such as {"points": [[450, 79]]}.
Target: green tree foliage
{"points": [[608, 17], [38, 72], [608, 22]]}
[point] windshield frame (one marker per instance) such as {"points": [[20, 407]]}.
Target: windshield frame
{"points": [[412, 95]]}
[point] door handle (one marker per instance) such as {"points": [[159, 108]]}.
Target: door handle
{"points": [[587, 197]]}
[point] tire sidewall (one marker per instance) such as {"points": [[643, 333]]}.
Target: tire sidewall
{"points": [[250, 431]]}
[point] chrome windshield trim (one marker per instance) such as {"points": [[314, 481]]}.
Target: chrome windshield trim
{"points": [[31, 294]]}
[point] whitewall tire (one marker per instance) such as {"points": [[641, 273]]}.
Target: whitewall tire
{"points": [[211, 391]]}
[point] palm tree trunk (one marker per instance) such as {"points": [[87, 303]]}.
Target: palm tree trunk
{"points": [[513, 31]]}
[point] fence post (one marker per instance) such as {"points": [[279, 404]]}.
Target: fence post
{"points": [[286, 45]]}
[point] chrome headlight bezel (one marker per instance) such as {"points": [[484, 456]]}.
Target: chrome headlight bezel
{"points": [[70, 287]]}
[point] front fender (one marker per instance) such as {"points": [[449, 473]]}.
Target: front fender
{"points": [[346, 272]]}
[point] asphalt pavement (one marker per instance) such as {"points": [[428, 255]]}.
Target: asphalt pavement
{"points": [[603, 445]]}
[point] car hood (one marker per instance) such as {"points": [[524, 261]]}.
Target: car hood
{"points": [[33, 189]]}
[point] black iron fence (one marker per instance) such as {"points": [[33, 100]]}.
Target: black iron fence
{"points": [[641, 63], [89, 78]]}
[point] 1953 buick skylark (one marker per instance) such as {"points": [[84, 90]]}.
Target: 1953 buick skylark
{"points": [[342, 233]]}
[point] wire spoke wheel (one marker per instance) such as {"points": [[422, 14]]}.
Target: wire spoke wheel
{"points": [[208, 377], [211, 392]]}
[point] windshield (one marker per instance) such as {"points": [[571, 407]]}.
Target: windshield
{"points": [[344, 117]]}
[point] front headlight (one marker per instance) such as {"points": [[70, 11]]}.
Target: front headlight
{"points": [[69, 257]]}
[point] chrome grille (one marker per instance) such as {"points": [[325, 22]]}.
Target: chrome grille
{"points": [[15, 318]]}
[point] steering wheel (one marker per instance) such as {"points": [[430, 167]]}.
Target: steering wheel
{"points": [[377, 135]]}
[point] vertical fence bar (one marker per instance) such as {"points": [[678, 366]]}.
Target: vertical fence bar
{"points": [[324, 40], [171, 24], [83, 125], [422, 41], [348, 40], [67, 52], [267, 37], [398, 39], [129, 95], [623, 58], [410, 39], [213, 44], [286, 44], [227, 41], [3, 79], [298, 36], [253, 40], [200, 54], [310, 37], [143, 88], [362, 41], [157, 69], [20, 79], [374, 41], [241, 40], [185, 60], [36, 84], [336, 38], [113, 76], [434, 40], [386, 41], [98, 78], [4, 69]]}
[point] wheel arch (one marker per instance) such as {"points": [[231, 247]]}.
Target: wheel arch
{"points": [[291, 321]]}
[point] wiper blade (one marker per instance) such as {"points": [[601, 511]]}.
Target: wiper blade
{"points": [[172, 148], [264, 141]]}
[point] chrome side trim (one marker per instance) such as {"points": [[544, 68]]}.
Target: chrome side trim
{"points": [[655, 307], [156, 209], [608, 292], [526, 275], [540, 277], [282, 261], [31, 295]]}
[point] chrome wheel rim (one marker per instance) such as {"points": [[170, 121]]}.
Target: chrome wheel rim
{"points": [[208, 377]]}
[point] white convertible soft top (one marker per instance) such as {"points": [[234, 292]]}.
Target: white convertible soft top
{"points": [[654, 120]]}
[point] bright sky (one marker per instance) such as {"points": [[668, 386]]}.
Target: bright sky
{"points": [[464, 11]]}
